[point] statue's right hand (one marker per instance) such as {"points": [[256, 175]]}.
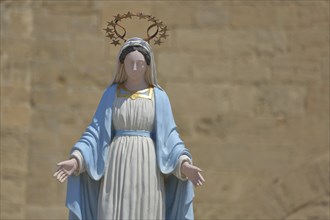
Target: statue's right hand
{"points": [[65, 169]]}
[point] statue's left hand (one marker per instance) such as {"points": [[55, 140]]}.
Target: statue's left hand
{"points": [[193, 173]]}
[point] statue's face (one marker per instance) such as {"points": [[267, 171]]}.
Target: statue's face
{"points": [[135, 66]]}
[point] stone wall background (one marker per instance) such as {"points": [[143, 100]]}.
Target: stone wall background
{"points": [[249, 87]]}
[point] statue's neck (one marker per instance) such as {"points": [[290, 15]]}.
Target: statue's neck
{"points": [[135, 85]]}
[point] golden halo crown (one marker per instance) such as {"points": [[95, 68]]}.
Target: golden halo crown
{"points": [[158, 35]]}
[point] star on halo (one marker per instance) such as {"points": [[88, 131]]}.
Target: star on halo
{"points": [[159, 22], [141, 15], [158, 41], [111, 23], [117, 17], [129, 15], [115, 42], [163, 35], [152, 18], [107, 29], [164, 29], [110, 35]]}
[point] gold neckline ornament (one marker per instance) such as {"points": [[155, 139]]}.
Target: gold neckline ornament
{"points": [[122, 91], [158, 35]]}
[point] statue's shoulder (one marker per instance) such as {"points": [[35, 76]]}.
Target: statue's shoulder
{"points": [[161, 95], [159, 91], [110, 88]]}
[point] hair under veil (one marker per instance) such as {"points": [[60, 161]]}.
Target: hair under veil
{"points": [[151, 73]]}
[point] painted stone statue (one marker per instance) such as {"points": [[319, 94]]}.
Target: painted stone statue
{"points": [[130, 163]]}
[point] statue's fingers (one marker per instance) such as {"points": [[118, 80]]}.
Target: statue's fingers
{"points": [[195, 183], [62, 175], [57, 171], [60, 179], [60, 163], [63, 178], [198, 180], [55, 174], [201, 177]]}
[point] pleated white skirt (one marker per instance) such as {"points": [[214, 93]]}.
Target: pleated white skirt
{"points": [[133, 186]]}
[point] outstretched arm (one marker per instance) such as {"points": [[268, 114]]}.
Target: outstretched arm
{"points": [[87, 152]]}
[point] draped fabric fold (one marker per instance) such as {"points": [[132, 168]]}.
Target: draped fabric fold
{"points": [[83, 190]]}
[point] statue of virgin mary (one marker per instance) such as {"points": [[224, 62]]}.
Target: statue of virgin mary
{"points": [[130, 163]]}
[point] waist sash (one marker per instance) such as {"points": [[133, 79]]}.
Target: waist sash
{"points": [[132, 133]]}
